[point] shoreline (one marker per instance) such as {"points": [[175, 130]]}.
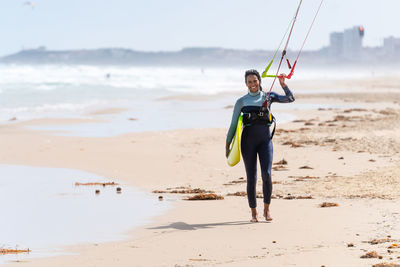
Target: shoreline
{"points": [[47, 198]]}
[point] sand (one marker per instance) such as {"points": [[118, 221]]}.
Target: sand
{"points": [[348, 156]]}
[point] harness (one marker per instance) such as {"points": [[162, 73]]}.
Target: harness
{"points": [[263, 117]]}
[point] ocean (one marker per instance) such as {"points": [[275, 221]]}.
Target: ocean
{"points": [[149, 98]]}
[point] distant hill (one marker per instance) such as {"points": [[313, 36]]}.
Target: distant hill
{"points": [[186, 57], [120, 56]]}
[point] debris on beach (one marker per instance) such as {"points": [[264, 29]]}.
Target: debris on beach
{"points": [[345, 118], [372, 160], [333, 175], [205, 197], [370, 255], [279, 131], [290, 197], [281, 162], [257, 257], [306, 167], [308, 123], [292, 144], [97, 191], [387, 111], [182, 190], [91, 184], [305, 178], [238, 194], [302, 129], [386, 264], [328, 205], [329, 140], [350, 245], [241, 180], [132, 119], [13, 119], [160, 198], [280, 168], [119, 190], [354, 109], [13, 251], [303, 197], [379, 241], [178, 187]]}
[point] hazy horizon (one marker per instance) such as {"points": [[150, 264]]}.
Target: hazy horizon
{"points": [[157, 25]]}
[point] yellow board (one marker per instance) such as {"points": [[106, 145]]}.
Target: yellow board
{"points": [[234, 152]]}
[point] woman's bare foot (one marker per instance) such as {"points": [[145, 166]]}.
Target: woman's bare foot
{"points": [[267, 213], [254, 215]]}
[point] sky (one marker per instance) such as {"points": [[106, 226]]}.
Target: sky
{"points": [[170, 25]]}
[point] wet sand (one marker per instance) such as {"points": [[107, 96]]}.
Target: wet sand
{"points": [[348, 156], [47, 208]]}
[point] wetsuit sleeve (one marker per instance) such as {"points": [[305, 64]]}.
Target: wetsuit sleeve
{"points": [[235, 116], [287, 98]]}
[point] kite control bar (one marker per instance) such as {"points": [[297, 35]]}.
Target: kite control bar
{"points": [[264, 75]]}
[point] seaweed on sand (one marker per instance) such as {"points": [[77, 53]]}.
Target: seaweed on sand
{"points": [[205, 197], [13, 251]]}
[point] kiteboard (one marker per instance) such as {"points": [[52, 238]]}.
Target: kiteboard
{"points": [[234, 151]]}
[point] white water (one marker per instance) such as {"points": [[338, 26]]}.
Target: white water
{"points": [[60, 91]]}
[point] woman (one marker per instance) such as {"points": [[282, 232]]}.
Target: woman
{"points": [[256, 137]]}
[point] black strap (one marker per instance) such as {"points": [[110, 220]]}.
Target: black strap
{"points": [[273, 131]]}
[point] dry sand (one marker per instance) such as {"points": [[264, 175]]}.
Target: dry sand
{"points": [[347, 156]]}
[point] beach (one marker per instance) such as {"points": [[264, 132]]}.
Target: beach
{"points": [[341, 148]]}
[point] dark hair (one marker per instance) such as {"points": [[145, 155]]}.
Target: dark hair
{"points": [[252, 72]]}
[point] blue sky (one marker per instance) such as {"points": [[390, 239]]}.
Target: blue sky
{"points": [[168, 25]]}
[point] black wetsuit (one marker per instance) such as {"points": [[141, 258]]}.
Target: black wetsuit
{"points": [[256, 140]]}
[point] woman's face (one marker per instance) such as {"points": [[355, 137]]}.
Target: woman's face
{"points": [[253, 83]]}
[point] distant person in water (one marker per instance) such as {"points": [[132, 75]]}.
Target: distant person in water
{"points": [[256, 137]]}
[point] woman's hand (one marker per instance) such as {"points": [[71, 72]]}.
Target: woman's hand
{"points": [[282, 79], [227, 149]]}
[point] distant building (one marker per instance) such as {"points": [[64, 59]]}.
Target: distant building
{"points": [[348, 43], [336, 44], [391, 45], [352, 41]]}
